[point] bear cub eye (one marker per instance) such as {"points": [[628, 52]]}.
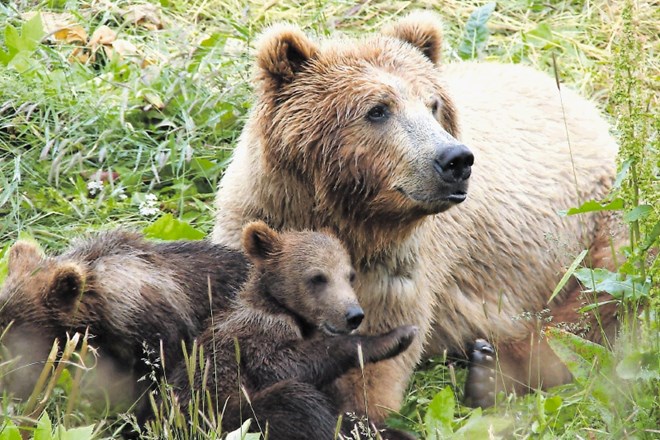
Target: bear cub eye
{"points": [[377, 113], [351, 277]]}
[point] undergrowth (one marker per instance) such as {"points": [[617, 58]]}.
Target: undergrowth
{"points": [[125, 113]]}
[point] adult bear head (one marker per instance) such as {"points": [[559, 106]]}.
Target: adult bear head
{"points": [[366, 124]]}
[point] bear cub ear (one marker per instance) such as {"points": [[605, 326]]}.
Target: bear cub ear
{"points": [[260, 242], [422, 30], [282, 51], [67, 284], [24, 256]]}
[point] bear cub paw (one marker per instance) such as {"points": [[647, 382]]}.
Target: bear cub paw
{"points": [[480, 387]]}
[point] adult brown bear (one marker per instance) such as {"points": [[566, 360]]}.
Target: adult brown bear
{"points": [[374, 139]]}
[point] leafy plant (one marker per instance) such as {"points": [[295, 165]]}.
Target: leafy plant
{"points": [[21, 44], [476, 32]]}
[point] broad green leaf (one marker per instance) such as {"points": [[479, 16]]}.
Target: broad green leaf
{"points": [[12, 40], [65, 381], [541, 35], [32, 32], [9, 431], [44, 430], [578, 354], [651, 237], [82, 433], [169, 228], [29, 37], [602, 280], [552, 404], [440, 414], [479, 426], [476, 32], [568, 274], [637, 213], [625, 166], [592, 206], [5, 57], [639, 365], [4, 263], [22, 62]]}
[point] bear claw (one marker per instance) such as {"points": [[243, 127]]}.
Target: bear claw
{"points": [[480, 384]]}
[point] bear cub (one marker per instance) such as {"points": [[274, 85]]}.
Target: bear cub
{"points": [[131, 294], [293, 323]]}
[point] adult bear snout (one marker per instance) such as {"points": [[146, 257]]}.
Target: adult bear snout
{"points": [[454, 163], [354, 317]]}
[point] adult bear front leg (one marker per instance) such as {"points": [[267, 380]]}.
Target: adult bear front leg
{"points": [[516, 367]]}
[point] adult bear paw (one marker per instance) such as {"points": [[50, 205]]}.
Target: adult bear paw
{"points": [[480, 387]]}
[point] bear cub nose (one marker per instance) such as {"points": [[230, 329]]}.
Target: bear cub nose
{"points": [[454, 164], [354, 317]]}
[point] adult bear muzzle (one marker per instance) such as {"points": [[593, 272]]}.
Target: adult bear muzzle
{"points": [[454, 164]]}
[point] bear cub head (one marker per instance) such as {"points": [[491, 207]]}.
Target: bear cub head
{"points": [[39, 292], [306, 274]]}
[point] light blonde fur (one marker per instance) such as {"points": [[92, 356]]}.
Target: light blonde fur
{"points": [[470, 271]]}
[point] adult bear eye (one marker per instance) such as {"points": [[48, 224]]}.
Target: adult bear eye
{"points": [[351, 277], [318, 280], [435, 107], [377, 113]]}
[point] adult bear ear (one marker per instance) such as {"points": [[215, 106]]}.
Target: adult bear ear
{"points": [[422, 30], [282, 51], [24, 256], [66, 284], [260, 242]]}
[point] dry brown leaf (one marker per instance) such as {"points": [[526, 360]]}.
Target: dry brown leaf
{"points": [[101, 39], [124, 48], [74, 34], [145, 15], [102, 36], [52, 21], [60, 27]]}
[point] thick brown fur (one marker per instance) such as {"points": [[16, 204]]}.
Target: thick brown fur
{"points": [[312, 155], [291, 323], [133, 296]]}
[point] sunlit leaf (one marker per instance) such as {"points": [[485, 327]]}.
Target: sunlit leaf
{"points": [[639, 365], [44, 430], [592, 206], [440, 414], [169, 228], [9, 431], [81, 433], [578, 354], [476, 32], [637, 213], [552, 404], [602, 280], [480, 426]]}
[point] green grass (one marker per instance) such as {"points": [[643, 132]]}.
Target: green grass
{"points": [[125, 139]]}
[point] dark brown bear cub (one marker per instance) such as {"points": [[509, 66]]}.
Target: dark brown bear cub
{"points": [[132, 294], [292, 322]]}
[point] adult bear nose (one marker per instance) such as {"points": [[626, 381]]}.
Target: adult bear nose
{"points": [[354, 317], [454, 164]]}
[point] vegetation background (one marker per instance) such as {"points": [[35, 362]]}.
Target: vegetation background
{"points": [[124, 113]]}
